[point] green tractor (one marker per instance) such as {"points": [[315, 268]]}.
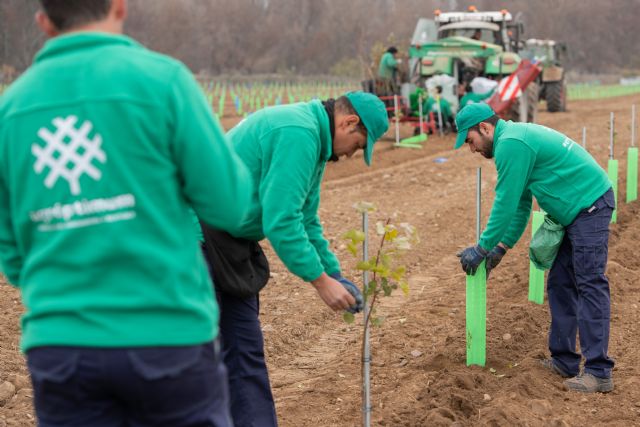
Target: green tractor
{"points": [[469, 45], [553, 86]]}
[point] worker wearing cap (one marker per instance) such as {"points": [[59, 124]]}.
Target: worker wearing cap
{"points": [[438, 105], [535, 161], [286, 149]]}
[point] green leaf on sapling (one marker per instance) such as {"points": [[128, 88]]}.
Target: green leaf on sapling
{"points": [[364, 266], [385, 287], [398, 273], [371, 288], [364, 207], [402, 243], [391, 235], [352, 248], [381, 270], [405, 287], [354, 235], [348, 317], [377, 321]]}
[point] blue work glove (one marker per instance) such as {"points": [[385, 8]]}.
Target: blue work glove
{"points": [[494, 257], [353, 290], [471, 258]]}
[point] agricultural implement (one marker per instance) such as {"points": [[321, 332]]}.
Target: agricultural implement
{"points": [[553, 86], [468, 45]]}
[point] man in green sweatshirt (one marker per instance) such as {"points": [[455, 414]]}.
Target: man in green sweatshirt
{"points": [[438, 105], [467, 96], [388, 64], [388, 70], [286, 149], [535, 161], [104, 146]]}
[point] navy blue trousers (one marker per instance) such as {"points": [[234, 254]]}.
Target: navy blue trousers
{"points": [[130, 387], [251, 399], [578, 292], [252, 403]]}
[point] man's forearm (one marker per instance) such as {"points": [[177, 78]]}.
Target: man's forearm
{"points": [[504, 246]]}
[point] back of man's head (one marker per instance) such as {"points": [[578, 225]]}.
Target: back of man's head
{"points": [[343, 106], [69, 14]]}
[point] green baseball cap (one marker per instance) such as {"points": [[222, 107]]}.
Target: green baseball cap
{"points": [[373, 115], [468, 117]]}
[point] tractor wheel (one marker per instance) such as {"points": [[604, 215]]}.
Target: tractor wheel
{"points": [[556, 97]]}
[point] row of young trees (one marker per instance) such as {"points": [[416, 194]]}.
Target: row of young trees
{"points": [[331, 36]]}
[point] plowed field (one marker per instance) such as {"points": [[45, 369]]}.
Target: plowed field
{"points": [[313, 356]]}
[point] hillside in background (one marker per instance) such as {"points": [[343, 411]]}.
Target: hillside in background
{"points": [[331, 36]]}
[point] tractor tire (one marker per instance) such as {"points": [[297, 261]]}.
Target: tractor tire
{"points": [[556, 94], [532, 93]]}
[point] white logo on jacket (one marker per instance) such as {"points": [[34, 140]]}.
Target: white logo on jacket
{"points": [[68, 153], [568, 144]]}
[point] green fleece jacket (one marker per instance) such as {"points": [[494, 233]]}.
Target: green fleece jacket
{"points": [[388, 65], [432, 106], [286, 149], [471, 98], [533, 160], [104, 146]]}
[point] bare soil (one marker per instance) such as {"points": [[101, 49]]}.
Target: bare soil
{"points": [[419, 376]]}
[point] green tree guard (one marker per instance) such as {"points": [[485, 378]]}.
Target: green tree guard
{"points": [[476, 320], [536, 276], [632, 174]]}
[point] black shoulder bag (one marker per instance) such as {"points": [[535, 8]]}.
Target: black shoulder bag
{"points": [[239, 266]]}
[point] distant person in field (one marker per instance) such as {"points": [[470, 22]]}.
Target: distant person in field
{"points": [[286, 149], [104, 146], [436, 105], [468, 96], [535, 161], [388, 70]]}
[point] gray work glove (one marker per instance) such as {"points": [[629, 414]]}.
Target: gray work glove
{"points": [[471, 258], [353, 290], [494, 257]]}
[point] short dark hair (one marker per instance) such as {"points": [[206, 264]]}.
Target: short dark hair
{"points": [[68, 14], [392, 50], [493, 120], [344, 106]]}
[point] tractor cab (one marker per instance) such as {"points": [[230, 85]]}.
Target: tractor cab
{"points": [[455, 51], [465, 45], [481, 31], [552, 83], [549, 52]]}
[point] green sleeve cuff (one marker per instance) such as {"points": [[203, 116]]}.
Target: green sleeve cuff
{"points": [[312, 274]]}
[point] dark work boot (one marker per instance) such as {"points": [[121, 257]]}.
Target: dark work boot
{"points": [[553, 367], [588, 383]]}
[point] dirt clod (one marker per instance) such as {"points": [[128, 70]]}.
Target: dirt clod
{"points": [[7, 390]]}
